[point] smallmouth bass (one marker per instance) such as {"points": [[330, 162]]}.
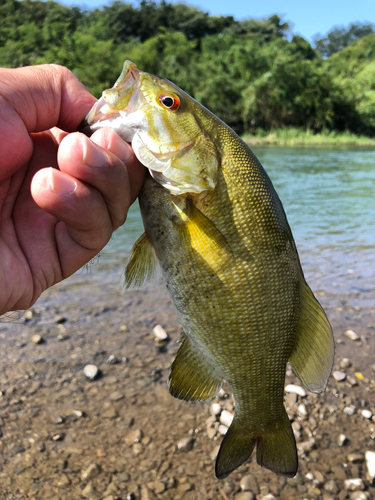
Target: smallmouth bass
{"points": [[214, 223]]}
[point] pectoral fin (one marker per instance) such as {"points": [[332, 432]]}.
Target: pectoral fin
{"points": [[312, 356], [141, 265], [190, 378]]}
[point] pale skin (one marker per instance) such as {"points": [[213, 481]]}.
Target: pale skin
{"points": [[61, 193]]}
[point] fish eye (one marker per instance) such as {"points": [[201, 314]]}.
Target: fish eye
{"points": [[170, 101]]}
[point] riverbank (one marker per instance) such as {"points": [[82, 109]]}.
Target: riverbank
{"points": [[298, 137], [122, 436]]}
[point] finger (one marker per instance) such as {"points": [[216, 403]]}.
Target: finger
{"points": [[34, 99], [81, 158]]}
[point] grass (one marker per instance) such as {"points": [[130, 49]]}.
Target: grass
{"points": [[296, 137]]}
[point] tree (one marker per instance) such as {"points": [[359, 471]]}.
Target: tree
{"points": [[340, 37]]}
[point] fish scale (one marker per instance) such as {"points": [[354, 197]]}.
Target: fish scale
{"points": [[216, 227]]}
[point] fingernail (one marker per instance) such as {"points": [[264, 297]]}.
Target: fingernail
{"points": [[92, 155], [61, 183]]}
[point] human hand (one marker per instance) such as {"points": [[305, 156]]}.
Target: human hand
{"points": [[61, 195]]}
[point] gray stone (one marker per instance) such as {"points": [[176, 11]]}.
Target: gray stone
{"points": [[91, 372]]}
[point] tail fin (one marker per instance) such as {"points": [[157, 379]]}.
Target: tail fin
{"points": [[236, 448], [276, 449]]}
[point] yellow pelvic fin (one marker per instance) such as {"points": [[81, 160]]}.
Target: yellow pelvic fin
{"points": [[277, 451], [313, 353], [189, 377], [201, 233], [141, 264]]}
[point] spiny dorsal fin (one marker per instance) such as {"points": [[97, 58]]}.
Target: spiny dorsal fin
{"points": [[190, 378], [313, 353], [141, 265]]}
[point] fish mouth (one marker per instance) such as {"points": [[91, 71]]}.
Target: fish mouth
{"points": [[114, 101]]}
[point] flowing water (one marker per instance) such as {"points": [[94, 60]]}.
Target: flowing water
{"points": [[329, 197]]}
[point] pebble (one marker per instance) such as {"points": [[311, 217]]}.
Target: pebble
{"points": [[37, 339], [223, 429], [350, 335], [116, 396], [226, 418], [302, 410], [91, 372], [359, 495], [91, 472], [296, 389], [215, 409], [366, 414], [88, 490], [370, 463], [342, 440], [133, 437], [268, 497], [345, 363], [352, 381], [247, 483], [339, 376], [214, 452], [354, 484], [245, 495], [355, 458], [112, 360], [349, 410], [331, 486], [160, 333], [185, 444], [110, 413]]}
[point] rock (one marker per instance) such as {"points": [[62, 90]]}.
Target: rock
{"points": [[355, 458], [215, 409], [290, 399], [110, 413], [342, 440], [268, 497], [245, 495], [331, 486], [92, 471], [116, 396], [223, 429], [112, 360], [37, 339], [226, 418], [157, 486], [319, 478], [306, 445], [354, 484], [133, 437], [160, 334], [366, 414], [339, 376], [296, 389], [137, 448], [345, 363], [349, 410], [185, 444], [302, 410], [370, 464], [211, 432], [350, 335], [91, 372], [359, 495], [87, 490], [249, 483], [62, 480], [214, 452], [352, 381]]}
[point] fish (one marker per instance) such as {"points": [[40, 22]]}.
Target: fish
{"points": [[216, 227]]}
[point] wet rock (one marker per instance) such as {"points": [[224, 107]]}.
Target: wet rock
{"points": [[185, 444], [331, 486], [92, 471], [359, 495], [215, 409], [349, 410], [350, 335], [223, 429], [226, 418], [37, 339], [370, 464], [112, 360], [245, 495], [354, 484], [302, 410], [296, 389], [91, 372], [339, 376], [351, 381]]}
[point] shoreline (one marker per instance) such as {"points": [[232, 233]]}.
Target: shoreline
{"points": [[299, 137]]}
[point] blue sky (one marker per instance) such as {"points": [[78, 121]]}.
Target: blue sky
{"points": [[307, 17]]}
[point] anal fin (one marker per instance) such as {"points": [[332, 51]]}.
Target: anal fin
{"points": [[141, 264], [313, 353], [190, 378]]}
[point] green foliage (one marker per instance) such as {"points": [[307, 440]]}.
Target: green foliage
{"points": [[340, 37], [247, 72]]}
